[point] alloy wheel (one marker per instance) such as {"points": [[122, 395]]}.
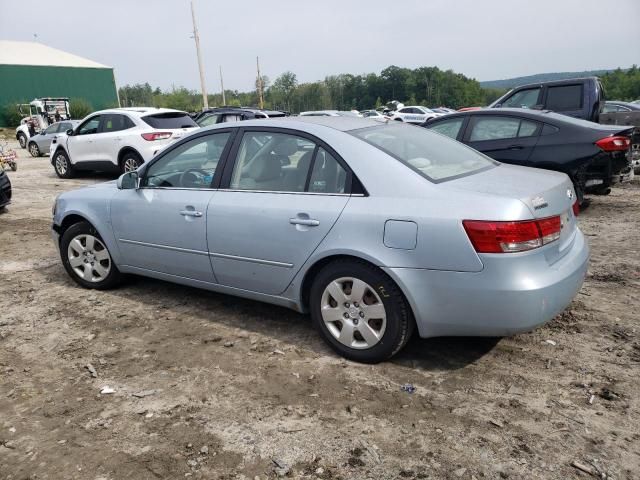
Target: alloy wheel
{"points": [[61, 164], [353, 313], [130, 164], [89, 258], [33, 150]]}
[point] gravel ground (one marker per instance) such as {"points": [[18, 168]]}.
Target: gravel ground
{"points": [[211, 386]]}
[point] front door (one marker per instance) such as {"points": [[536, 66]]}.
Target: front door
{"points": [[503, 138], [110, 140], [162, 226], [283, 196], [81, 145]]}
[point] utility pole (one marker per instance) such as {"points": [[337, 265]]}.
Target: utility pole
{"points": [[224, 101], [196, 36], [260, 85]]}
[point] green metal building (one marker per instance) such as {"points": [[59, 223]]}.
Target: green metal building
{"points": [[31, 70]]}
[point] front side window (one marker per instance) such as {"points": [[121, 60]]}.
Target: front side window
{"points": [[435, 157], [64, 126], [564, 98], [269, 161], [90, 126], [450, 128], [327, 176], [523, 99], [191, 165], [500, 128]]}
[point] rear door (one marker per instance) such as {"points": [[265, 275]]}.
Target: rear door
{"points": [[504, 138], [276, 204], [112, 128]]}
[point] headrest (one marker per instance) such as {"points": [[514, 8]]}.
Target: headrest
{"points": [[267, 168]]}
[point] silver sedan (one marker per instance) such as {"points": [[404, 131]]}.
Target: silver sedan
{"points": [[375, 229], [40, 143]]}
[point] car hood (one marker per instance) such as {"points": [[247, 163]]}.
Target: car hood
{"points": [[545, 192], [110, 184]]}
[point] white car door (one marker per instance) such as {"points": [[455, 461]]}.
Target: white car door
{"points": [[111, 137], [81, 145]]}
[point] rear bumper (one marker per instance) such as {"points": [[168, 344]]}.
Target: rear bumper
{"points": [[510, 295]]}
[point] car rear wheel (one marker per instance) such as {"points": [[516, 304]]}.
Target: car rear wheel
{"points": [[34, 150], [86, 258], [130, 162], [360, 311], [22, 140], [62, 165]]}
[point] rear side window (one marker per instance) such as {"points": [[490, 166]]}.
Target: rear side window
{"points": [[435, 157], [115, 123], [564, 98], [499, 128], [169, 120], [327, 176], [523, 99], [450, 128]]}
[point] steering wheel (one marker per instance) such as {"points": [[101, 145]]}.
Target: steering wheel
{"points": [[192, 181]]}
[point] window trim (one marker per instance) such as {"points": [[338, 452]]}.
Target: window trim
{"points": [[215, 183], [225, 179]]}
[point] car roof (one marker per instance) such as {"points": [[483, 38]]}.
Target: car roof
{"points": [[343, 124], [555, 82], [139, 111]]}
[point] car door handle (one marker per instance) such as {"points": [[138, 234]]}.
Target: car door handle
{"points": [[190, 213], [307, 222], [515, 147]]}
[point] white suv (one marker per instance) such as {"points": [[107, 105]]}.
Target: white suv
{"points": [[119, 139], [414, 114]]}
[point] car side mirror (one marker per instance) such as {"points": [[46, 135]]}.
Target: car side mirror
{"points": [[537, 107], [70, 132], [497, 105], [128, 181]]}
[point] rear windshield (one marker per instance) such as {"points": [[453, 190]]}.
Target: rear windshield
{"points": [[169, 120], [434, 156]]}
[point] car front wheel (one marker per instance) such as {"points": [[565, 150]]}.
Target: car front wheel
{"points": [[360, 311], [86, 258], [62, 164], [34, 150]]}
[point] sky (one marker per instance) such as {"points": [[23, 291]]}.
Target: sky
{"points": [[151, 40]]}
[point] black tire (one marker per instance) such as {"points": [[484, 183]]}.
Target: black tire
{"points": [[77, 231], [128, 160], [62, 164], [22, 140], [34, 150], [399, 319]]}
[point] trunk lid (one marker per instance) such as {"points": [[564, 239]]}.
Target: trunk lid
{"points": [[546, 193]]}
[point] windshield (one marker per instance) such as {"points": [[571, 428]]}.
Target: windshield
{"points": [[434, 156], [169, 120]]}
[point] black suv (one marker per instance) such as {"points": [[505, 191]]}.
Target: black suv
{"points": [[5, 189], [576, 97], [213, 116]]}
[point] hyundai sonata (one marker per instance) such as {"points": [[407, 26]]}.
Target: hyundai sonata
{"points": [[374, 229]]}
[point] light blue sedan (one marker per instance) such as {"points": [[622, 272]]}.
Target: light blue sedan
{"points": [[374, 229]]}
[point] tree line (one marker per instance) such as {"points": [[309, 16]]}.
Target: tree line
{"points": [[421, 86]]}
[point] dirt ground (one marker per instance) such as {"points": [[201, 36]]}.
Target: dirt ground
{"points": [[211, 386]]}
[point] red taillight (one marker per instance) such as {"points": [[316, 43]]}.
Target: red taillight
{"points": [[156, 136], [576, 208], [505, 237], [614, 144]]}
